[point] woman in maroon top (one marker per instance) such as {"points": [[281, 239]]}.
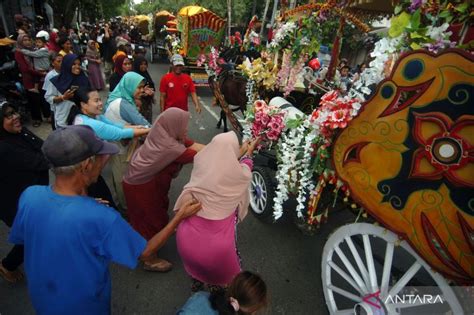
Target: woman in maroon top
{"points": [[36, 102], [148, 178]]}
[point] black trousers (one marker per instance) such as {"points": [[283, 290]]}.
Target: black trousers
{"points": [[37, 105], [14, 258], [101, 190]]}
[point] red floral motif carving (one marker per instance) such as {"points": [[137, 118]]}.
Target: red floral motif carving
{"points": [[446, 150]]}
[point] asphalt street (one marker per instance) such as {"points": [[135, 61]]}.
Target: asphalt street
{"points": [[289, 261]]}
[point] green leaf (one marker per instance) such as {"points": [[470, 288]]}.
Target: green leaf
{"points": [[415, 19], [398, 24], [462, 7], [293, 123], [416, 35], [444, 14], [415, 46], [398, 9]]}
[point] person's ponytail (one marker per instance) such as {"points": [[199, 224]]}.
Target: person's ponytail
{"points": [[73, 112], [80, 95], [221, 303]]}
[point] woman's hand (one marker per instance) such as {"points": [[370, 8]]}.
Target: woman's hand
{"points": [[68, 94], [252, 146], [197, 146], [149, 91], [135, 127]]}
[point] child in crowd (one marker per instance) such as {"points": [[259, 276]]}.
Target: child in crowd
{"points": [[40, 55], [247, 294], [56, 61]]}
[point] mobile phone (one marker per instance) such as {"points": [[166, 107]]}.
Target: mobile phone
{"points": [[74, 88]]}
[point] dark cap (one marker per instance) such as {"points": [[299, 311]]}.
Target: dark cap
{"points": [[73, 144]]}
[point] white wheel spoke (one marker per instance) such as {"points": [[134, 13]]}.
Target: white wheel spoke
{"points": [[344, 293], [260, 203], [352, 271], [387, 267], [405, 278], [360, 263], [369, 258], [343, 282], [345, 276], [345, 312]]}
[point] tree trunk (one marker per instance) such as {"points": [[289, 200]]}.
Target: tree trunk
{"points": [[229, 18], [267, 4], [274, 11], [254, 8]]}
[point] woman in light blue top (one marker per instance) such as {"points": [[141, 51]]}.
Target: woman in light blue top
{"points": [[88, 111]]}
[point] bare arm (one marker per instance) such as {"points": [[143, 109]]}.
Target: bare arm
{"points": [[161, 237], [162, 101], [196, 102], [138, 132], [197, 147]]}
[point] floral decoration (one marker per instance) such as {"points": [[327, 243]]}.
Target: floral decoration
{"points": [[211, 62], [262, 71], [267, 122]]}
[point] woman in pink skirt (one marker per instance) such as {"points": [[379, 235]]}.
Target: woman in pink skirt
{"points": [[220, 181]]}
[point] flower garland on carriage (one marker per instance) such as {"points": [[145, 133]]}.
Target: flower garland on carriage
{"points": [[304, 144]]}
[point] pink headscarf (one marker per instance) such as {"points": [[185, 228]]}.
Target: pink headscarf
{"points": [[161, 147], [218, 180]]}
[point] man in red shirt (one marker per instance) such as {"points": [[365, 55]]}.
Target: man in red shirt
{"points": [[176, 86]]}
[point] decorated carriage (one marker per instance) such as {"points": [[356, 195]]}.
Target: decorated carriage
{"points": [[164, 26], [200, 30], [396, 147]]}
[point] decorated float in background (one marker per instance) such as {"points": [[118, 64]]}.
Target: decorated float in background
{"points": [[200, 30], [396, 147], [164, 31]]}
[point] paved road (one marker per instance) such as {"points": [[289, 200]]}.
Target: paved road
{"points": [[289, 261]]}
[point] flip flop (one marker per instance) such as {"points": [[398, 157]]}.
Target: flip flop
{"points": [[160, 265], [11, 276]]}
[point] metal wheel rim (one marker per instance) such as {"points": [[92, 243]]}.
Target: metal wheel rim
{"points": [[258, 193], [365, 279]]}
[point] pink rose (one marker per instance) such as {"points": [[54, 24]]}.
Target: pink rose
{"points": [[259, 105], [256, 130], [272, 135], [265, 119], [259, 116]]}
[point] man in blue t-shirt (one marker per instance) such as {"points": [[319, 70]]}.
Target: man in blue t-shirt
{"points": [[69, 238]]}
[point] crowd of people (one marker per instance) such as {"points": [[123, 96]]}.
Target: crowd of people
{"points": [[68, 231]]}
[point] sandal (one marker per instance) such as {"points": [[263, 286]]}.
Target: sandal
{"points": [[11, 276], [158, 265]]}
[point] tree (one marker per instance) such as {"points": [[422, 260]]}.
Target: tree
{"points": [[90, 9]]}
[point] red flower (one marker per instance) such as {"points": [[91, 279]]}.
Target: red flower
{"points": [[330, 96]]}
